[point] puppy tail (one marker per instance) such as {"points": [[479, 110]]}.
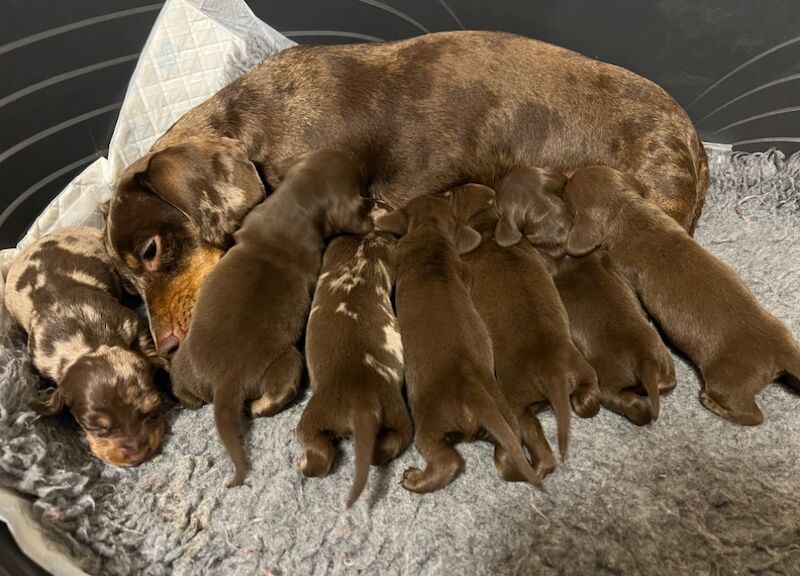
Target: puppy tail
{"points": [[228, 418], [649, 378], [490, 417], [558, 394], [365, 432]]}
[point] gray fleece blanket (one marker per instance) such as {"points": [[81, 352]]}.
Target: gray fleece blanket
{"points": [[691, 494]]}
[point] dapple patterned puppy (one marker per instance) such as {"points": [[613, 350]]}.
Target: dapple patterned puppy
{"points": [[535, 360], [64, 292], [606, 321], [355, 361], [700, 303], [242, 341], [448, 351], [627, 354]]}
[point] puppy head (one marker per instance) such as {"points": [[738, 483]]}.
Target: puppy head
{"points": [[111, 394], [172, 216], [439, 212], [333, 182], [595, 196], [529, 204]]}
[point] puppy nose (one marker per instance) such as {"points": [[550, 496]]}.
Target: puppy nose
{"points": [[134, 456], [166, 343]]}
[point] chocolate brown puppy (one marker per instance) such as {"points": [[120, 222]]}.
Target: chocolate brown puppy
{"points": [[64, 292], [535, 361], [606, 320], [423, 115], [698, 301], [241, 345], [355, 360], [448, 351], [632, 363]]}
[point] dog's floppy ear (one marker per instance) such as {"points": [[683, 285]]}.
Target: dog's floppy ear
{"points": [[467, 239], [394, 222], [584, 237], [506, 233], [468, 200], [52, 404], [211, 181]]}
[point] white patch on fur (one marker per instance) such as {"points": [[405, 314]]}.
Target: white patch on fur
{"points": [[352, 274], [387, 373], [82, 277], [65, 353], [314, 309], [392, 341], [342, 309]]}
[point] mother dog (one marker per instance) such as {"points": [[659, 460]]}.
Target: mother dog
{"points": [[421, 115]]}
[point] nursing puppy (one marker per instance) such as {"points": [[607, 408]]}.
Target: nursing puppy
{"points": [[698, 301], [355, 361], [606, 321], [241, 344], [632, 363], [535, 360], [64, 292], [448, 351]]}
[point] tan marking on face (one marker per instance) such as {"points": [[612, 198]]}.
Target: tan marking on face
{"points": [[132, 261], [112, 451], [173, 307]]}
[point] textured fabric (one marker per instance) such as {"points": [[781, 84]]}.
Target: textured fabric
{"points": [[691, 494]]}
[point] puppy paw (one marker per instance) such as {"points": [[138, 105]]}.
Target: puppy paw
{"points": [[748, 415], [315, 465], [413, 480], [586, 401]]}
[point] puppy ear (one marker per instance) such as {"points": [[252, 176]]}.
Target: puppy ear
{"points": [[467, 239], [52, 404], [469, 199], [584, 236], [212, 182], [394, 222], [282, 167], [506, 233]]}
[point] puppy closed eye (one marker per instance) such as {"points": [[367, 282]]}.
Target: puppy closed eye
{"points": [[97, 425]]}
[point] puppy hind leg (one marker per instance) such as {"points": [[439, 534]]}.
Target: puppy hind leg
{"points": [[443, 463], [628, 404], [397, 432], [535, 441], [280, 385], [311, 433], [728, 393], [585, 398]]}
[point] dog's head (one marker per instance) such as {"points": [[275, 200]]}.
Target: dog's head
{"points": [[333, 183], [529, 204], [448, 213], [595, 196], [110, 393], [172, 217]]}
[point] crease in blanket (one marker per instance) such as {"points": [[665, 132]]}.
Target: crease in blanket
{"points": [[689, 494]]}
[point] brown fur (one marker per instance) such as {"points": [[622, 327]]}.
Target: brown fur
{"points": [[355, 361], [64, 292], [612, 331], [422, 115], [241, 345], [704, 308], [535, 360], [448, 351]]}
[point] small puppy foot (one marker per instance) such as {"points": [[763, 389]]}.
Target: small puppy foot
{"points": [[315, 464], [441, 469], [748, 413], [629, 404], [544, 462], [280, 385], [505, 467], [586, 400]]}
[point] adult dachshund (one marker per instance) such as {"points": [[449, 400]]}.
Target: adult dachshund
{"points": [[421, 115]]}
